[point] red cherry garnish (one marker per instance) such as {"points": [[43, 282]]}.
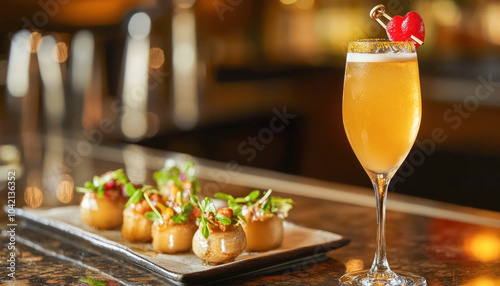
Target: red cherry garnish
{"points": [[400, 29]]}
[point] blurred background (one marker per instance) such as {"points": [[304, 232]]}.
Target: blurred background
{"points": [[257, 82]]}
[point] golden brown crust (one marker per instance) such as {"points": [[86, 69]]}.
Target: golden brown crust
{"points": [[101, 213], [263, 234], [220, 246], [136, 227], [170, 237]]}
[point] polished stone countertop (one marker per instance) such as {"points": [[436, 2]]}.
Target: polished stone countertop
{"points": [[447, 244]]}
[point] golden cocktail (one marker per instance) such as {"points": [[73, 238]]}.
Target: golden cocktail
{"points": [[381, 108], [381, 112]]}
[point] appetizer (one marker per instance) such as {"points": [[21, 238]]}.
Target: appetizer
{"points": [[177, 185], [136, 223], [173, 228], [220, 237], [262, 219], [175, 219], [102, 204]]}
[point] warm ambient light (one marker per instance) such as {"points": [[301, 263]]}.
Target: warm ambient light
{"points": [[491, 22], [9, 153], [184, 4], [483, 282], [484, 246], [288, 2], [33, 197], [64, 192], [354, 265], [82, 57], [18, 66], [60, 52], [446, 12], [304, 4], [50, 73], [135, 81], [36, 39], [92, 12], [184, 57], [156, 58]]}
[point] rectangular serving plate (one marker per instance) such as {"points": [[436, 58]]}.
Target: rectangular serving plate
{"points": [[300, 243]]}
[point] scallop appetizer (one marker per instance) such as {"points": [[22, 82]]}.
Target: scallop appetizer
{"points": [[220, 237], [138, 213], [174, 227], [102, 204], [176, 184], [262, 218]]}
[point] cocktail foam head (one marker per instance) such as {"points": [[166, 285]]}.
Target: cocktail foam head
{"points": [[385, 57]]}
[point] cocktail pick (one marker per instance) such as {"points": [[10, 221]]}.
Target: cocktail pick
{"points": [[401, 28]]}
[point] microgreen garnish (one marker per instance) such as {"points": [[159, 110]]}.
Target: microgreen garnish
{"points": [[155, 214], [97, 184], [136, 194], [186, 210], [207, 208], [129, 189], [248, 199], [223, 219], [175, 175], [267, 203], [279, 206]]}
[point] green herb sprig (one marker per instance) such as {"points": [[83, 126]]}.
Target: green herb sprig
{"points": [[154, 215], [98, 182], [268, 204], [186, 210], [207, 208], [135, 194], [174, 174]]}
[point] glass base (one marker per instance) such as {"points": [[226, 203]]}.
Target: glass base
{"points": [[393, 278]]}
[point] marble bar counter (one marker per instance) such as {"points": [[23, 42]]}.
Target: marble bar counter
{"points": [[447, 244]]}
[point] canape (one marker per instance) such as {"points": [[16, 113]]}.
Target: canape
{"points": [[136, 224], [174, 231], [176, 219], [175, 184], [102, 204], [220, 237], [262, 219]]}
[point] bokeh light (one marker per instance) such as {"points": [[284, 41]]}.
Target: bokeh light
{"points": [[33, 196], [34, 43], [354, 265], [64, 192], [60, 52], [304, 4], [156, 58], [484, 246]]}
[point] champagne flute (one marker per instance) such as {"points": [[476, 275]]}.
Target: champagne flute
{"points": [[381, 113]]}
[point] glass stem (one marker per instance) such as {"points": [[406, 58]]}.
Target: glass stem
{"points": [[380, 267]]}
